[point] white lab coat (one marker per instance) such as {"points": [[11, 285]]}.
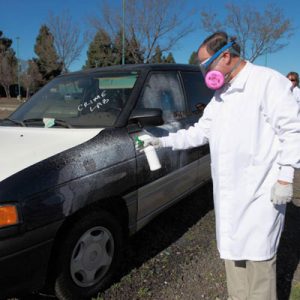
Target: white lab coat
{"points": [[296, 92], [253, 129]]}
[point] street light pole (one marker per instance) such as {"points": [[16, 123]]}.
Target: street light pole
{"points": [[18, 69], [266, 59], [123, 34]]}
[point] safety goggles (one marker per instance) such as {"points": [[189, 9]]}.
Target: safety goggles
{"points": [[204, 66]]}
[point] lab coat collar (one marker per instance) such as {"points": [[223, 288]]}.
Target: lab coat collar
{"points": [[237, 84]]}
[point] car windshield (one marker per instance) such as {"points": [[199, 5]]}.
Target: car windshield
{"points": [[86, 100]]}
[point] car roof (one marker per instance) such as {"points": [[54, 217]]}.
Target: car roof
{"points": [[137, 67]]}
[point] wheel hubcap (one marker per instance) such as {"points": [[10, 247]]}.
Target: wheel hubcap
{"points": [[92, 256]]}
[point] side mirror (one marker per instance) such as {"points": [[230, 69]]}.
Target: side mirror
{"points": [[147, 116]]}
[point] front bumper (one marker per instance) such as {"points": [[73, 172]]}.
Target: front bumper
{"points": [[24, 260]]}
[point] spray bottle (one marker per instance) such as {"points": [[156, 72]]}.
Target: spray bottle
{"points": [[150, 152]]}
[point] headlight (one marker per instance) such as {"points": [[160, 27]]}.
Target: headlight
{"points": [[8, 215]]}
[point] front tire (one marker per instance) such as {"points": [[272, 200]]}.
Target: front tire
{"points": [[88, 256]]}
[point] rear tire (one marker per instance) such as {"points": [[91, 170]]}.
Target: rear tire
{"points": [[88, 256]]}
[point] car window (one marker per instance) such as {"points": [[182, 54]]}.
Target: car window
{"points": [[163, 90], [198, 94], [85, 100]]}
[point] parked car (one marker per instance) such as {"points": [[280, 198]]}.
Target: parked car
{"points": [[73, 184]]}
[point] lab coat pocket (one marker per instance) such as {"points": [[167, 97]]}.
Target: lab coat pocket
{"points": [[257, 181]]}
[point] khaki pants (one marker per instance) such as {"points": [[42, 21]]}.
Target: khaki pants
{"points": [[251, 280]]}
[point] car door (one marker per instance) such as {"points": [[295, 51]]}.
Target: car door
{"points": [[156, 188], [197, 97]]}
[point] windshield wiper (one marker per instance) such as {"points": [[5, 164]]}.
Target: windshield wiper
{"points": [[15, 122], [63, 123], [40, 120]]}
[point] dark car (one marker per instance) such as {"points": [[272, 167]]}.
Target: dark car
{"points": [[74, 185]]}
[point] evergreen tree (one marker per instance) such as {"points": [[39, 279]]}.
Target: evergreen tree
{"points": [[133, 52], [101, 52], [157, 58], [169, 59], [194, 58], [47, 61], [5, 43], [105, 52]]}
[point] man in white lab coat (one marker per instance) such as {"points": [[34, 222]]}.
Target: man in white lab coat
{"points": [[252, 125]]}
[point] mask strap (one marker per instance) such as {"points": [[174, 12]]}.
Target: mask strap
{"points": [[227, 46], [233, 69]]}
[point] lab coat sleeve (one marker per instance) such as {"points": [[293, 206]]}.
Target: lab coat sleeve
{"points": [[282, 112], [194, 136], [296, 92]]}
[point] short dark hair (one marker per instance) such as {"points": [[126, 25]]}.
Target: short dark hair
{"points": [[219, 39], [294, 74]]}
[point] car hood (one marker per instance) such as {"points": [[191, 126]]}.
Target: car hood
{"points": [[22, 147]]}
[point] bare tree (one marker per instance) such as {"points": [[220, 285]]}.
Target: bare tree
{"points": [[148, 23], [66, 35], [32, 78], [8, 70], [258, 32], [8, 64]]}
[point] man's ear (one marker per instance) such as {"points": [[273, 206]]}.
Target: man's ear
{"points": [[227, 57]]}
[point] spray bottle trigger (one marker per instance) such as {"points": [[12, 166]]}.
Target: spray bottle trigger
{"points": [[139, 143]]}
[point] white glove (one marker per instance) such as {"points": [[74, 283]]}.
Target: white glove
{"points": [[153, 141], [281, 193]]}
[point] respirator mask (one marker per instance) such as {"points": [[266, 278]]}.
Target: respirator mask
{"points": [[215, 79]]}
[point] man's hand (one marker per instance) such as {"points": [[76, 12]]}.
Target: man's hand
{"points": [[282, 192], [153, 141]]}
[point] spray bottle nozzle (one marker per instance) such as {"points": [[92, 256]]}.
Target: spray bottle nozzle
{"points": [[139, 142]]}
